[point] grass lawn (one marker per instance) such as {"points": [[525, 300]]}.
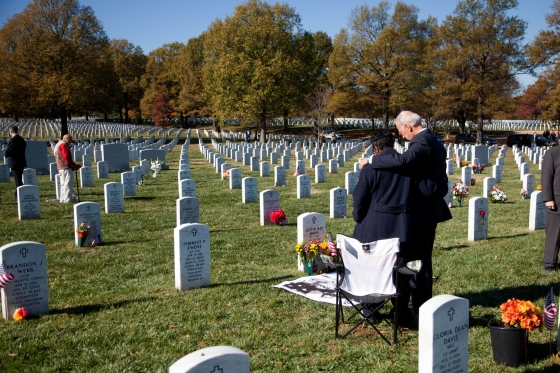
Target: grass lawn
{"points": [[114, 307]]}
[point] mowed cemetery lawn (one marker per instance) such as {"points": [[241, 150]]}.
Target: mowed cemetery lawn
{"points": [[114, 307]]}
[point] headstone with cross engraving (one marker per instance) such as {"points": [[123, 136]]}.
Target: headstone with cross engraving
{"points": [[269, 202], [28, 202], [443, 335], [279, 176], [235, 178], [303, 188], [311, 226], [478, 219], [88, 213], [338, 203], [29, 176], [128, 180], [86, 177], [102, 170], [187, 210], [351, 180], [114, 197], [217, 359], [27, 261], [192, 256], [187, 188], [249, 193]]}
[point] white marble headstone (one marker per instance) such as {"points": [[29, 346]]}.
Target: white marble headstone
{"points": [[114, 197], [478, 219], [235, 178], [29, 206], [86, 177], [29, 176], [128, 180], [279, 176], [216, 359], [192, 256], [338, 203], [249, 190], [303, 186], [187, 210], [187, 188], [537, 212], [102, 170], [88, 213], [443, 335], [27, 261], [269, 202]]}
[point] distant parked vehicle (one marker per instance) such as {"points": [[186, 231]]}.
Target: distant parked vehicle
{"points": [[519, 140], [470, 138]]}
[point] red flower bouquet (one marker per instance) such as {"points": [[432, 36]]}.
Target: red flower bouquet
{"points": [[278, 217]]}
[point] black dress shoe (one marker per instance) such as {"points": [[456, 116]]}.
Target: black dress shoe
{"points": [[550, 268]]}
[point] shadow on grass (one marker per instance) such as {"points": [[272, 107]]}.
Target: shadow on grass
{"points": [[493, 298], [143, 198], [250, 282], [512, 236], [449, 248], [91, 308], [539, 352]]}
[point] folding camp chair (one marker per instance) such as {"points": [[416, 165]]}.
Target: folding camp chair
{"points": [[367, 277]]}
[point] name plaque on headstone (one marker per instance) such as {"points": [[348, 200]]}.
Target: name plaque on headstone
{"points": [[114, 197], [27, 261], [28, 202]]}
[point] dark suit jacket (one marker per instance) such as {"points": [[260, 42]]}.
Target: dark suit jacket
{"points": [[15, 153], [385, 204], [550, 178], [425, 159]]}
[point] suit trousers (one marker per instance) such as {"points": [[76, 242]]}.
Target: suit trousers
{"points": [[552, 240], [66, 185], [18, 177], [424, 278]]}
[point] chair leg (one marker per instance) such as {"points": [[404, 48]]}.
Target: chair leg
{"points": [[396, 313]]}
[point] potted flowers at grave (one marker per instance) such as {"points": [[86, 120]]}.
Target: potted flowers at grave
{"points": [[477, 168], [226, 175], [497, 195], [459, 192], [82, 231], [524, 194], [156, 167], [307, 252], [510, 337]]}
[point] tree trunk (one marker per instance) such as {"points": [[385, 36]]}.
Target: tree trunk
{"points": [[182, 119], [63, 122], [462, 123], [479, 119], [120, 116], [285, 114], [105, 116], [139, 118], [87, 116], [386, 119], [16, 118], [126, 119]]}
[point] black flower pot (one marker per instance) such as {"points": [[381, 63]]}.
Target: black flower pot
{"points": [[509, 345]]}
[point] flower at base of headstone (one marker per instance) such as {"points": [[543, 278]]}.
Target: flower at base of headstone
{"points": [[497, 195], [20, 314], [482, 215], [521, 314], [96, 240], [226, 175], [539, 187], [83, 230], [156, 167], [169, 150], [278, 217], [459, 190], [473, 181], [524, 194]]}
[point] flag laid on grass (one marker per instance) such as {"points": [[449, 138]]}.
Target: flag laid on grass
{"points": [[550, 310]]}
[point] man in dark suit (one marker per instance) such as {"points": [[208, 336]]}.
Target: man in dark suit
{"points": [[425, 159], [15, 155], [550, 183], [386, 206]]}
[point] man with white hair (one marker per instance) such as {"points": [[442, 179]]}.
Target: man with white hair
{"points": [[65, 166], [425, 159]]}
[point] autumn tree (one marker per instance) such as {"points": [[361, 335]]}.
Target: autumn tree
{"points": [[187, 66], [256, 63], [161, 110], [545, 51], [130, 65], [52, 47], [479, 53], [378, 59], [161, 76]]}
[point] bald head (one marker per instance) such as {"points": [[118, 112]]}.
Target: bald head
{"points": [[67, 138]]}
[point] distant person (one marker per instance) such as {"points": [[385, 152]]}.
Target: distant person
{"points": [[247, 135], [546, 134], [15, 155], [550, 182], [333, 137], [65, 166]]}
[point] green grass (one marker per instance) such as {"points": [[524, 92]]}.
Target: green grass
{"points": [[114, 308]]}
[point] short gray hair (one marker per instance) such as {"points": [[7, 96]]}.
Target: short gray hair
{"points": [[409, 117]]}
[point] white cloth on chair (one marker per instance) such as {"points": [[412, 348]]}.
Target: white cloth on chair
{"points": [[368, 273]]}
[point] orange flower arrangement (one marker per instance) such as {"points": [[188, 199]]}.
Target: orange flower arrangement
{"points": [[20, 314], [521, 314]]}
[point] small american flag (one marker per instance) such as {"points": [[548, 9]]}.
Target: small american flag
{"points": [[549, 310], [297, 173], [332, 246]]}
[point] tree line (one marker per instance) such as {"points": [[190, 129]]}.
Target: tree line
{"points": [[260, 64]]}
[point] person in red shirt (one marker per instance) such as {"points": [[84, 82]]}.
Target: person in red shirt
{"points": [[65, 166]]}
